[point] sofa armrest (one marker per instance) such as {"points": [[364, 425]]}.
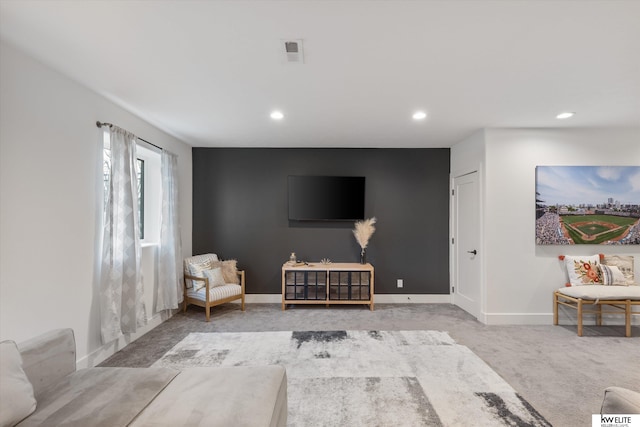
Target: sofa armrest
{"points": [[48, 358], [618, 400]]}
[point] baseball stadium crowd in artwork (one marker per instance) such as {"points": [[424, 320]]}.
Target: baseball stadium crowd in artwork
{"points": [[555, 229]]}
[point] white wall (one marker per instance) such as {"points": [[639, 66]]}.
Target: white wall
{"points": [[48, 152], [468, 155], [521, 276]]}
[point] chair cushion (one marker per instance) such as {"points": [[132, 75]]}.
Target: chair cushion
{"points": [[217, 293], [16, 392], [602, 292]]}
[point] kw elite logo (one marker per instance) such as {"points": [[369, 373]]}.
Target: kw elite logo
{"points": [[615, 420]]}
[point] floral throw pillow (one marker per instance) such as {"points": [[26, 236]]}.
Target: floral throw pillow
{"points": [[583, 270]]}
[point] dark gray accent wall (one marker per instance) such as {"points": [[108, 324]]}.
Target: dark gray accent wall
{"points": [[240, 212]]}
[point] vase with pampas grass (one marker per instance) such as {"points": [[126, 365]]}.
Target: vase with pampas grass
{"points": [[363, 231]]}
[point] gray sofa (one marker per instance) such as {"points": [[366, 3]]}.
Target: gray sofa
{"points": [[618, 400], [64, 396]]}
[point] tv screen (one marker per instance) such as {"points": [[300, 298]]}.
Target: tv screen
{"points": [[326, 198]]}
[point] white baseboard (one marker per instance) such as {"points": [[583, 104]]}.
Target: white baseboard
{"points": [[378, 299], [103, 353], [412, 299], [517, 318], [263, 298]]}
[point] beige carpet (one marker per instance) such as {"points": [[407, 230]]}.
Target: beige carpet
{"points": [[562, 375]]}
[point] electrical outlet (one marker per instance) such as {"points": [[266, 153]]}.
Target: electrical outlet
{"points": [[400, 283]]}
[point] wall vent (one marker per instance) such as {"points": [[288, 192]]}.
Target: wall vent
{"points": [[293, 51]]}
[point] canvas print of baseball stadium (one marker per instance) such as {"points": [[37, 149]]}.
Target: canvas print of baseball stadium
{"points": [[597, 205]]}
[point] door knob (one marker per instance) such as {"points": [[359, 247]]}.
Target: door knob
{"points": [[473, 252]]}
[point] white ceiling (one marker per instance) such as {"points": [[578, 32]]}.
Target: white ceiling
{"points": [[210, 72]]}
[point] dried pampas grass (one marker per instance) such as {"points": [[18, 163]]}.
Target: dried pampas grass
{"points": [[363, 231]]}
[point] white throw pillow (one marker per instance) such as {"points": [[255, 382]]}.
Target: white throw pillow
{"points": [[583, 270], [16, 392], [215, 277], [611, 275], [197, 270], [624, 264]]}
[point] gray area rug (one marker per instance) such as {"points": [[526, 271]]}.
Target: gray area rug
{"points": [[368, 378]]}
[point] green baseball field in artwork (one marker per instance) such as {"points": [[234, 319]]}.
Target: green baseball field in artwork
{"points": [[596, 229]]}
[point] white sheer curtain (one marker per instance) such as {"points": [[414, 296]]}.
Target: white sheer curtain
{"points": [[170, 273], [122, 308]]}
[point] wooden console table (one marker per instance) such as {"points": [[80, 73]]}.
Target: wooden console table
{"points": [[333, 283]]}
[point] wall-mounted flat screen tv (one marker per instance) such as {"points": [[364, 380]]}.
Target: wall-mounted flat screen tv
{"points": [[326, 198]]}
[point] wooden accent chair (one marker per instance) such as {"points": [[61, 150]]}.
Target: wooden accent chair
{"points": [[209, 282]]}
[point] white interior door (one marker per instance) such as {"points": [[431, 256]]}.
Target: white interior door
{"points": [[466, 240]]}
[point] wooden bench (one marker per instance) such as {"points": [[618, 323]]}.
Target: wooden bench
{"points": [[620, 298]]}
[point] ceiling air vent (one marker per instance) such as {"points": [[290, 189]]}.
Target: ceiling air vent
{"points": [[293, 51]]}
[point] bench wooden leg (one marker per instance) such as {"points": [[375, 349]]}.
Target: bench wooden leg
{"points": [[580, 317], [555, 308], [627, 318], [599, 315]]}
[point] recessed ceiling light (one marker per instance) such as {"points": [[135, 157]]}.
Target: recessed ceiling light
{"points": [[277, 115], [565, 115], [419, 115]]}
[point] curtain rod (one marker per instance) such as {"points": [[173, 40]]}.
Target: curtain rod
{"points": [[100, 124]]}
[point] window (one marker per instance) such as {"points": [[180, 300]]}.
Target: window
{"points": [[148, 184], [106, 171], [140, 179]]}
